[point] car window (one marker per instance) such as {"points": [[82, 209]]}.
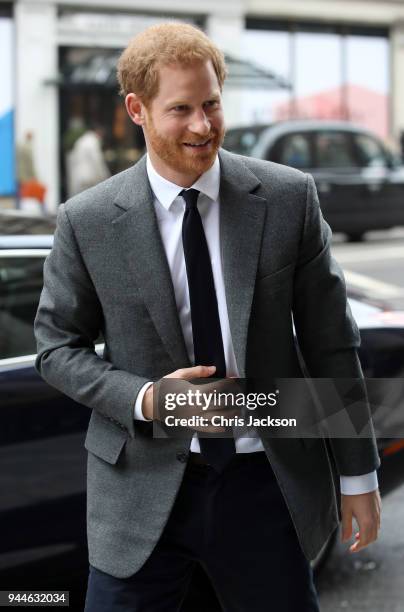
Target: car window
{"points": [[370, 152], [242, 140], [20, 288], [293, 150], [334, 150]]}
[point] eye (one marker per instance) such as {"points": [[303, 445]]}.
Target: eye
{"points": [[212, 103], [180, 108]]}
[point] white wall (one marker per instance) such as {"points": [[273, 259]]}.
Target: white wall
{"points": [[361, 12], [38, 36], [397, 79], [225, 30], [37, 102]]}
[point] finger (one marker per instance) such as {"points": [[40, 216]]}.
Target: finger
{"points": [[199, 371], [355, 547], [358, 544], [365, 537], [346, 531], [379, 513]]}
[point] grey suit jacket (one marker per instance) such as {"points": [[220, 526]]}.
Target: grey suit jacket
{"points": [[108, 272]]}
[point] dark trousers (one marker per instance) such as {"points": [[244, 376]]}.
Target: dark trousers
{"points": [[237, 526]]}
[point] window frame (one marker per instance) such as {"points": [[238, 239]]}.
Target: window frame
{"points": [[276, 148], [349, 139], [373, 138]]}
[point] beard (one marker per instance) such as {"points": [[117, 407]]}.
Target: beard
{"points": [[180, 157]]}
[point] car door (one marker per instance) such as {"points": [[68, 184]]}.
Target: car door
{"points": [[329, 156], [42, 480], [338, 179], [383, 182], [293, 149]]}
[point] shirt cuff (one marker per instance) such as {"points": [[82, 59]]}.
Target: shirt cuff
{"points": [[138, 413], [356, 485]]}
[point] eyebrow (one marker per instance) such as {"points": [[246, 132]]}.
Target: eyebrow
{"points": [[215, 96]]}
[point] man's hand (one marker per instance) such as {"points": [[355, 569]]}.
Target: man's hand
{"points": [[147, 404], [188, 374], [365, 508], [184, 374]]}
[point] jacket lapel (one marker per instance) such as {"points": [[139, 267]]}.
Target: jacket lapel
{"points": [[242, 218], [141, 246]]}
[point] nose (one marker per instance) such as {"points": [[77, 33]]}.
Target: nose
{"points": [[199, 124]]}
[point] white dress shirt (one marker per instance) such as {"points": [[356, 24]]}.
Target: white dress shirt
{"points": [[170, 207]]}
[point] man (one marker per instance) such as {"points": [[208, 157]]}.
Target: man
{"points": [[86, 162], [25, 160], [190, 263], [31, 193]]}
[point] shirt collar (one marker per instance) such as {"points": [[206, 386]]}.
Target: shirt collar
{"points": [[166, 191]]}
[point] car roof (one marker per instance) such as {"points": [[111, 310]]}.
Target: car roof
{"points": [[36, 241], [19, 223], [302, 124], [265, 135], [270, 135]]}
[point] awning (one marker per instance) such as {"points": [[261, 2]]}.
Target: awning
{"points": [[98, 69]]}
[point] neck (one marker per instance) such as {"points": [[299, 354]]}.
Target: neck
{"points": [[181, 179]]}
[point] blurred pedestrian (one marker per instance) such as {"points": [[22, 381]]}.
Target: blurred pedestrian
{"points": [[25, 160], [75, 129], [31, 192], [87, 166]]}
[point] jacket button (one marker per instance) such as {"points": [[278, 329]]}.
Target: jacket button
{"points": [[182, 457]]}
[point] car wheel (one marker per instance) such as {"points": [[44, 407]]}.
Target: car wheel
{"points": [[355, 236], [319, 562]]}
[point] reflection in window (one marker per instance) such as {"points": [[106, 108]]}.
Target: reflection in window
{"points": [[370, 152], [368, 82], [333, 150], [20, 288], [242, 140], [334, 75], [270, 50], [295, 151], [318, 76]]}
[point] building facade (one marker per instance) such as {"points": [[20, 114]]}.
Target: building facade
{"points": [[324, 50]]}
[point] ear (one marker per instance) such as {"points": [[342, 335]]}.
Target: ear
{"points": [[135, 108]]}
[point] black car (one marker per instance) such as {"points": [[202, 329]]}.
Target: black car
{"points": [[359, 181], [43, 460]]}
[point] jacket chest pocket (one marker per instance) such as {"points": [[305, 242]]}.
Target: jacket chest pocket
{"points": [[276, 281]]}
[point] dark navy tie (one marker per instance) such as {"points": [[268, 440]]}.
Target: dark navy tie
{"points": [[206, 330]]}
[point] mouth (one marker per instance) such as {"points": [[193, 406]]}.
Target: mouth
{"points": [[198, 145]]}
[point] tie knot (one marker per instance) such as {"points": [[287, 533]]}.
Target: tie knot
{"points": [[191, 197]]}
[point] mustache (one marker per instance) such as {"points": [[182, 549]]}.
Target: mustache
{"points": [[214, 135]]}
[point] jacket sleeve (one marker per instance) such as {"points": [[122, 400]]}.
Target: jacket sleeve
{"points": [[327, 334], [67, 325]]}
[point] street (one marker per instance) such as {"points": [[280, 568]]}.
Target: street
{"points": [[375, 266], [372, 579]]}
